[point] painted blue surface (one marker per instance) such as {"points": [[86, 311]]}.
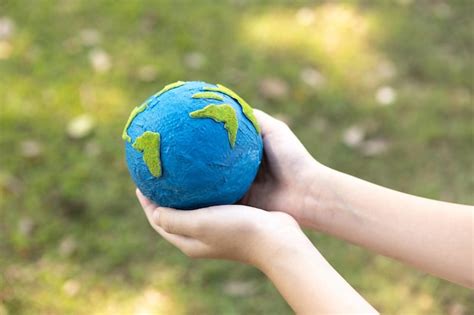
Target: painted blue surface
{"points": [[199, 166]]}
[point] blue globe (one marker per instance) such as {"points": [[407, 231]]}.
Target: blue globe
{"points": [[193, 145]]}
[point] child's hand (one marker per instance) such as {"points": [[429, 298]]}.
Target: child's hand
{"points": [[270, 241], [240, 233], [288, 174]]}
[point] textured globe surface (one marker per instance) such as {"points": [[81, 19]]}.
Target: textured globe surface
{"points": [[193, 145]]}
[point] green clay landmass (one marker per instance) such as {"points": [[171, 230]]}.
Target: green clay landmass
{"points": [[149, 144], [221, 113], [246, 108], [137, 110], [169, 87], [141, 108], [208, 95]]}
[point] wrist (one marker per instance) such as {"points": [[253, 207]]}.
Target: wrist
{"points": [[318, 195], [309, 283], [277, 248]]}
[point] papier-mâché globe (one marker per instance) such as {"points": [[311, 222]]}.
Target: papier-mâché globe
{"points": [[193, 145]]}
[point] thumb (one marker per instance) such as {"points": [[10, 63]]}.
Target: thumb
{"points": [[268, 123], [178, 221]]}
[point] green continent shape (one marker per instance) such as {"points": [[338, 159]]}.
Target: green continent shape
{"points": [[169, 87], [246, 108], [137, 110], [221, 113], [208, 95], [149, 144], [141, 108]]}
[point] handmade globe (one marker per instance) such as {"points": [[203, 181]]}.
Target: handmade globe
{"points": [[193, 145]]}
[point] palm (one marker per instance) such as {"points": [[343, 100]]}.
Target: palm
{"points": [[284, 175], [274, 190]]}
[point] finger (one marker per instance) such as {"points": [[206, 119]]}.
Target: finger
{"points": [[267, 123], [180, 222], [144, 201], [189, 246], [148, 207]]}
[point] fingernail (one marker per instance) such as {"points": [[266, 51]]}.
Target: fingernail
{"points": [[156, 215]]}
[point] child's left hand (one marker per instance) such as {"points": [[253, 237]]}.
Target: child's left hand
{"points": [[240, 233]]}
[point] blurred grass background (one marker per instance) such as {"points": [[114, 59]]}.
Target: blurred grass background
{"points": [[378, 89]]}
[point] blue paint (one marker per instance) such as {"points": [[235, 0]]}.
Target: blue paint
{"points": [[199, 166]]}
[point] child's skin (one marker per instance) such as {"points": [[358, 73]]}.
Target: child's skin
{"points": [[294, 189]]}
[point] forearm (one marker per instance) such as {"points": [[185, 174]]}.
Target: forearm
{"points": [[309, 284], [433, 236]]}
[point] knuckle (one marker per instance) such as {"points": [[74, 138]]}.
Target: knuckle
{"points": [[198, 228], [285, 220], [166, 222], [284, 217]]}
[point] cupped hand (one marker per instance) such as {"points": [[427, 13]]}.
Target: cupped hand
{"points": [[235, 232], [287, 173]]}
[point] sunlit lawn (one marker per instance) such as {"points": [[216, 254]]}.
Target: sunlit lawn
{"points": [[379, 89]]}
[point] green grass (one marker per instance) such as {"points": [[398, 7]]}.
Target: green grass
{"points": [[73, 239]]}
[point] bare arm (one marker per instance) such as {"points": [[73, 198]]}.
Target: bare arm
{"points": [[434, 236], [310, 284], [270, 241]]}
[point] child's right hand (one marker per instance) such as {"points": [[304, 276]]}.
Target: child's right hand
{"points": [[287, 176], [380, 219]]}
